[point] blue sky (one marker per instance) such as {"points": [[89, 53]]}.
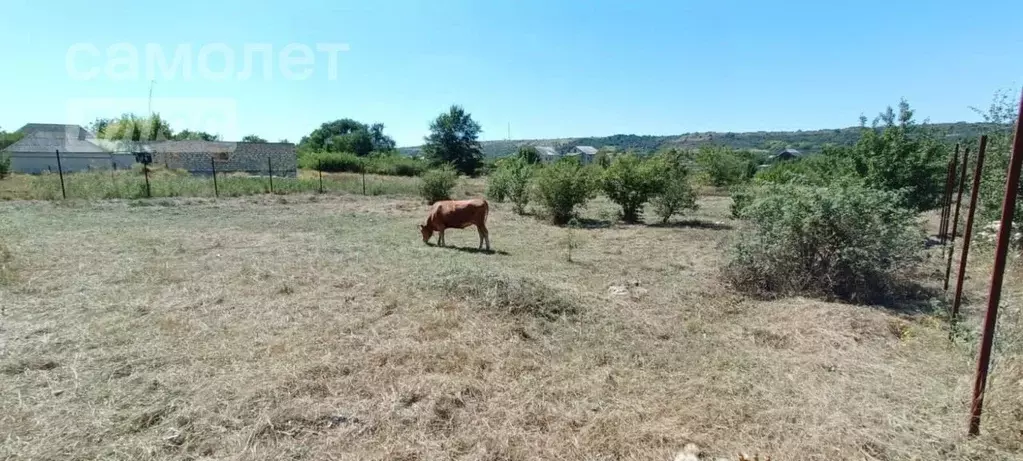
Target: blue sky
{"points": [[548, 68]]}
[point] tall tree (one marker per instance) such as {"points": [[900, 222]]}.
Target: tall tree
{"points": [[358, 142], [252, 138], [320, 138], [381, 142], [901, 158], [100, 125], [454, 139], [189, 135], [347, 135], [130, 130], [6, 139], [529, 154]]}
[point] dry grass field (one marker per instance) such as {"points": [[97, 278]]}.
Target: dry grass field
{"points": [[321, 327]]}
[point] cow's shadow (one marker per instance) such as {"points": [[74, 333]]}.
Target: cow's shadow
{"points": [[470, 250]]}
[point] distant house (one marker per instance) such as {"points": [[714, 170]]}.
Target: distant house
{"points": [[548, 154], [80, 150], [786, 154], [587, 154], [36, 151]]}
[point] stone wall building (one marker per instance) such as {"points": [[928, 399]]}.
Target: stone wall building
{"points": [[201, 157]]}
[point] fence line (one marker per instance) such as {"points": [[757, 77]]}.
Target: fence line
{"points": [[998, 271], [205, 177]]}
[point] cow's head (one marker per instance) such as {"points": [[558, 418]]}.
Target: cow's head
{"points": [[427, 233]]}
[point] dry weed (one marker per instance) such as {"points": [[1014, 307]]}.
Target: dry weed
{"points": [[324, 329]]}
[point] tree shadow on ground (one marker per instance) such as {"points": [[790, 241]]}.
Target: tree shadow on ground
{"points": [[911, 297], [471, 250], [694, 224], [907, 297], [588, 223]]}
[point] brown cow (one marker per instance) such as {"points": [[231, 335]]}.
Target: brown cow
{"points": [[457, 214]]}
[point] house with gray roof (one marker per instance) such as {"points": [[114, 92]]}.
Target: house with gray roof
{"points": [[587, 154], [80, 150], [548, 154], [36, 151], [786, 154]]}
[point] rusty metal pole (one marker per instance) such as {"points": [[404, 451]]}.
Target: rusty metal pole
{"points": [[955, 216], [145, 171], [968, 232], [949, 184], [995, 293], [944, 206]]}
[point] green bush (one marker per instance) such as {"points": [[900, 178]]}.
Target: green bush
{"points": [[741, 198], [895, 154], [724, 166], [394, 165], [846, 242], [5, 165], [676, 194], [630, 182], [437, 184], [333, 162], [1002, 115], [497, 180], [497, 186], [518, 173], [382, 164], [529, 154], [831, 165], [563, 186]]}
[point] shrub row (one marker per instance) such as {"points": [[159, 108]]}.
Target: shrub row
{"points": [[629, 180], [382, 164]]}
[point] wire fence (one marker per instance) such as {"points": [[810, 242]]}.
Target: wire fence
{"points": [[66, 176]]}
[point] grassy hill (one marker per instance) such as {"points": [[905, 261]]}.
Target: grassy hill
{"points": [[807, 141]]}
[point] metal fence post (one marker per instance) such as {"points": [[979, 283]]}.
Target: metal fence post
{"points": [[949, 184], [270, 168], [319, 169], [995, 292], [968, 232], [955, 216], [213, 166], [362, 165], [60, 170], [145, 171], [944, 195]]}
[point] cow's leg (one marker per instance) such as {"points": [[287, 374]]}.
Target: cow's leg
{"points": [[480, 231], [440, 238], [484, 235]]}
